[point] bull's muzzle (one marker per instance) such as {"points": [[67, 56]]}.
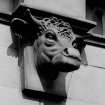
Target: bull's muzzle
{"points": [[72, 53]]}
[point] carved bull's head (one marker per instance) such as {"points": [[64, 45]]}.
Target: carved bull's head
{"points": [[55, 45]]}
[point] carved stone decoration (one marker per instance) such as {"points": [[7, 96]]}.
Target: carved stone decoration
{"points": [[54, 36], [47, 50]]}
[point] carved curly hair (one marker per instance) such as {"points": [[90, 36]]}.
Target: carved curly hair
{"points": [[62, 28]]}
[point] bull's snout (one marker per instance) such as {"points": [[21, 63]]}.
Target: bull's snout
{"points": [[72, 52]]}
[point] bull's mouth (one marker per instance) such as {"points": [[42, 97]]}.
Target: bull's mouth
{"points": [[78, 58], [67, 64], [63, 63]]}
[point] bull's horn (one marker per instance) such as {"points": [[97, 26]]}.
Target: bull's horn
{"points": [[31, 19]]}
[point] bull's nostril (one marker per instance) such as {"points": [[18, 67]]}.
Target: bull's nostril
{"points": [[66, 51]]}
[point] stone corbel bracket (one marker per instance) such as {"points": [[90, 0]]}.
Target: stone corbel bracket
{"points": [[79, 26]]}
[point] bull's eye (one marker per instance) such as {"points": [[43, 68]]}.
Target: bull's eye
{"points": [[51, 36]]}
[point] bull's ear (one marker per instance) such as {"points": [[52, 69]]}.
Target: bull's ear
{"points": [[26, 27], [23, 30], [25, 23], [18, 25]]}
